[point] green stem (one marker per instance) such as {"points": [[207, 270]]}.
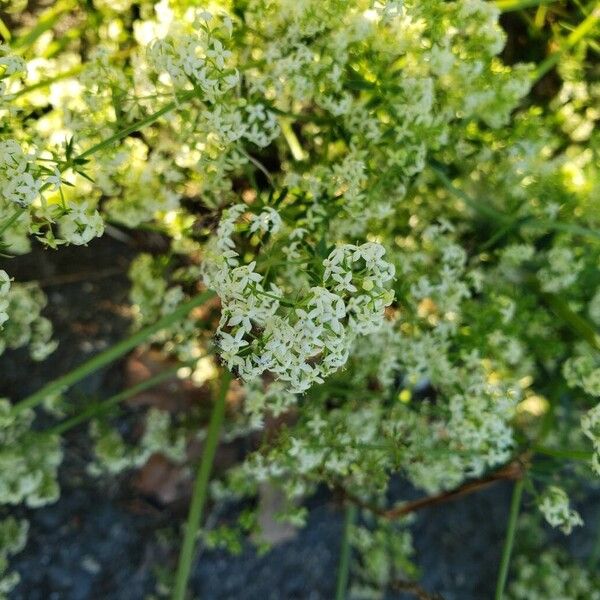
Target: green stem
{"points": [[18, 212], [515, 505], [47, 82], [109, 403], [123, 133], [512, 5], [564, 453], [574, 37], [291, 139], [509, 224], [5, 31], [47, 20], [578, 324], [111, 354], [200, 491], [484, 209], [344, 565]]}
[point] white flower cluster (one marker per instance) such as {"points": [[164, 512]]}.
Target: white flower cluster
{"points": [[582, 370], [313, 337], [562, 270], [28, 460], [27, 184], [384, 553], [10, 64], [441, 292], [80, 224], [554, 505], [480, 425], [23, 323], [134, 180], [552, 574], [197, 57], [148, 288], [443, 446], [114, 455], [590, 425], [258, 401], [19, 186]]}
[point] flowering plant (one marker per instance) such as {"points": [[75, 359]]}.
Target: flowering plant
{"points": [[402, 235]]}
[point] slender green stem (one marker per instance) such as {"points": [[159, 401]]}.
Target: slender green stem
{"points": [[577, 323], [47, 82], [515, 505], [482, 208], [123, 133], [105, 405], [111, 354], [344, 564], [194, 519], [5, 31], [559, 226], [18, 212], [47, 20], [594, 555], [509, 224], [566, 453], [512, 5], [574, 37], [291, 139]]}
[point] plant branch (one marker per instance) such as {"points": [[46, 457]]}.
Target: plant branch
{"points": [[512, 471], [106, 405], [110, 354], [413, 588], [512, 5], [574, 37], [123, 133], [344, 564], [200, 490], [515, 505]]}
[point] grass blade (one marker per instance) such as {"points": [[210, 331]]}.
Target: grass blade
{"points": [[104, 406], [574, 37], [512, 5], [515, 505], [344, 565], [194, 519], [111, 354]]}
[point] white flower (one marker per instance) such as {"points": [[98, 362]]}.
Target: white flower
{"points": [[81, 225], [267, 220], [22, 189], [12, 64], [232, 344], [4, 283], [218, 54], [256, 112], [554, 505]]}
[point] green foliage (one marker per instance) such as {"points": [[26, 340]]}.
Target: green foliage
{"points": [[401, 226], [29, 461]]}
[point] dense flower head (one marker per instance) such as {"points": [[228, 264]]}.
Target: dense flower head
{"points": [[301, 335], [554, 505]]}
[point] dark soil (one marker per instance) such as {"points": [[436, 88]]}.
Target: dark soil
{"points": [[101, 540]]}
